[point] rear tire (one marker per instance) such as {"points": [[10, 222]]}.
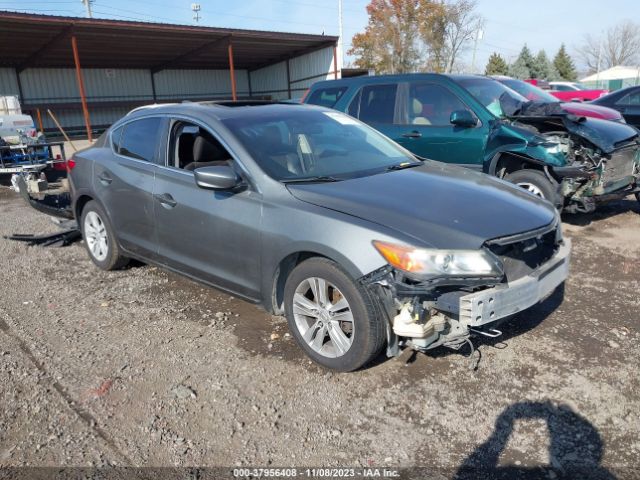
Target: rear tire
{"points": [[333, 319], [536, 183], [99, 238]]}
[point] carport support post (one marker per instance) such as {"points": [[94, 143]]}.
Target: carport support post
{"points": [[335, 62], [288, 79], [232, 72], [83, 97]]}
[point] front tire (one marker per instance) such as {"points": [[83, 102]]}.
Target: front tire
{"points": [[99, 238], [333, 319], [536, 183]]}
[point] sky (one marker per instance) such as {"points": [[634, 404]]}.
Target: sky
{"points": [[543, 24]]}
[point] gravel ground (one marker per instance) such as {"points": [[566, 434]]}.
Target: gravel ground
{"points": [[142, 367]]}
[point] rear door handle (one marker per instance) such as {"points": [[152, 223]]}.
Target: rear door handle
{"points": [[104, 178], [166, 200], [413, 134]]}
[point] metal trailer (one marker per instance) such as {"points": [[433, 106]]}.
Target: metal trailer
{"points": [[31, 158]]}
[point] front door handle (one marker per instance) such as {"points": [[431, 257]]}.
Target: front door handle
{"points": [[105, 179], [166, 200], [414, 134]]}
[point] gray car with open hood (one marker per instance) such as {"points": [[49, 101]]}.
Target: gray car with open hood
{"points": [[316, 216]]}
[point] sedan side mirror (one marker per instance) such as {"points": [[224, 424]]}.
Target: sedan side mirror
{"points": [[216, 177], [463, 118]]}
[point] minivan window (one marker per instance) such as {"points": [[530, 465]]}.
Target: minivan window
{"points": [[378, 103], [140, 139], [493, 95], [431, 104], [326, 97]]}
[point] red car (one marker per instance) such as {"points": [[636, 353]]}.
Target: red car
{"points": [[572, 92], [535, 94]]}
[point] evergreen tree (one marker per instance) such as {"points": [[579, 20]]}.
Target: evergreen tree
{"points": [[496, 65], [564, 65], [541, 67], [522, 67], [519, 69]]}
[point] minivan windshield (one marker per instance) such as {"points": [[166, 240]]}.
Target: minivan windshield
{"points": [[301, 143], [530, 92], [496, 97]]}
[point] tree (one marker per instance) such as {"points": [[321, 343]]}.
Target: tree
{"points": [[522, 67], [496, 65], [407, 35], [433, 30], [564, 65], [542, 68], [463, 25], [391, 41], [620, 45]]}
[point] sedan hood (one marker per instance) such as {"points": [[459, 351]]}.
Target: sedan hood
{"points": [[588, 110], [438, 205]]}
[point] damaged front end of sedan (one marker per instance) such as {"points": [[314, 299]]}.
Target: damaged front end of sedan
{"points": [[431, 298], [591, 161]]}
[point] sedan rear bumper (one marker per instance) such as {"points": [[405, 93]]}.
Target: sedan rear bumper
{"points": [[501, 301]]}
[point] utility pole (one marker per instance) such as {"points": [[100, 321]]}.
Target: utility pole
{"points": [[479, 35], [87, 4], [340, 39], [598, 66], [195, 8]]}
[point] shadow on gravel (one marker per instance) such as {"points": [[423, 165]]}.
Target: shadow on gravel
{"points": [[575, 447], [603, 212]]}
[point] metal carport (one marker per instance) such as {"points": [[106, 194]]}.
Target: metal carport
{"points": [[102, 68]]}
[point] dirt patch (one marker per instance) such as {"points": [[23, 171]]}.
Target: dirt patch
{"points": [[170, 372]]}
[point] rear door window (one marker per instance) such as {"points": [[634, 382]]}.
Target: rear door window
{"points": [[326, 97], [630, 99], [378, 103], [140, 139]]}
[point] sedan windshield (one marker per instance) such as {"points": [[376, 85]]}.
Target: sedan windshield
{"points": [[496, 97], [298, 144], [530, 92]]}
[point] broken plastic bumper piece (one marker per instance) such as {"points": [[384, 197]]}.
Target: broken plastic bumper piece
{"points": [[501, 301]]}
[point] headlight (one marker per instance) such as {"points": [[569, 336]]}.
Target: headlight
{"points": [[433, 263]]}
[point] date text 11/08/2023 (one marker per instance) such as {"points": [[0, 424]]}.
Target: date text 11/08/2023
{"points": [[368, 472]]}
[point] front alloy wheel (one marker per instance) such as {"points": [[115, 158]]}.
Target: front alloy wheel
{"points": [[323, 317], [332, 318], [536, 183]]}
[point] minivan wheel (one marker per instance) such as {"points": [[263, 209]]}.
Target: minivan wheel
{"points": [[99, 238], [536, 183], [333, 319]]}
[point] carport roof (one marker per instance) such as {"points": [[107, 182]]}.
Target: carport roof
{"points": [[28, 40]]}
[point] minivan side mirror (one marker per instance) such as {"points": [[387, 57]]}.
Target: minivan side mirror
{"points": [[216, 177], [463, 118]]}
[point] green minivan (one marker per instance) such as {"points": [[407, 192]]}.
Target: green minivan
{"points": [[477, 122]]}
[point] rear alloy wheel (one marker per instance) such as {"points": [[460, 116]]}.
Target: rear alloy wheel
{"points": [[536, 183], [99, 238], [331, 317]]}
